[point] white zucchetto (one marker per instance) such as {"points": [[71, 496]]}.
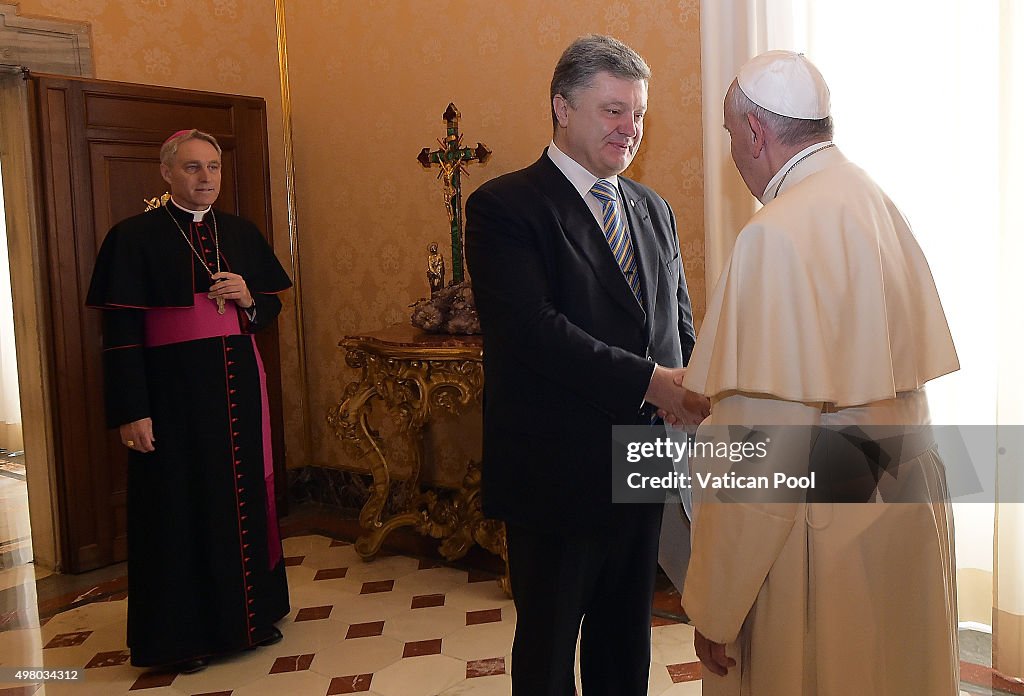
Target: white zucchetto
{"points": [[785, 83]]}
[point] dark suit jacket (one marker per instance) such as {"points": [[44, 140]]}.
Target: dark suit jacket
{"points": [[568, 350]]}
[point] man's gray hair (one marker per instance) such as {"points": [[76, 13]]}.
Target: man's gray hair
{"points": [[586, 57], [789, 131], [170, 147]]}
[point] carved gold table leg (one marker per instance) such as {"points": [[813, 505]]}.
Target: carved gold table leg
{"points": [[351, 422], [413, 378], [369, 544]]}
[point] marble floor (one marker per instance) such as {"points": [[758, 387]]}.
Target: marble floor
{"points": [[396, 626]]}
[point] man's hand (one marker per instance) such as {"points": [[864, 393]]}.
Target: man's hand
{"points": [[231, 286], [677, 405], [138, 435], [712, 655]]}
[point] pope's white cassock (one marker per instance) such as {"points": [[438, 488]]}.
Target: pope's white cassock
{"points": [[826, 314]]}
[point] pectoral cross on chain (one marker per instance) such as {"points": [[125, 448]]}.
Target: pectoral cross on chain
{"points": [[452, 158]]}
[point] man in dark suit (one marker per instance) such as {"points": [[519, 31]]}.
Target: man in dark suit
{"points": [[587, 324]]}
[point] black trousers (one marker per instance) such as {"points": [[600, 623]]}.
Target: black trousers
{"points": [[595, 586]]}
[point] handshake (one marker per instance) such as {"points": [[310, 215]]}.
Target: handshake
{"points": [[676, 404]]}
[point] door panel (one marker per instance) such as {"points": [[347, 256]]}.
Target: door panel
{"points": [[98, 151]]}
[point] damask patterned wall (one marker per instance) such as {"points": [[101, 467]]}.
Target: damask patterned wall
{"points": [[215, 45], [369, 83]]}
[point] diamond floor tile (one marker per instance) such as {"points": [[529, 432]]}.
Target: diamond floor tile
{"points": [[365, 630], [108, 659], [330, 573], [429, 600], [68, 640], [352, 684], [314, 613], [689, 671], [292, 663], [152, 680], [474, 618], [485, 668], [375, 586], [419, 648]]}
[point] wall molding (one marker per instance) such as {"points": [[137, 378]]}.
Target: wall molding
{"points": [[45, 45]]}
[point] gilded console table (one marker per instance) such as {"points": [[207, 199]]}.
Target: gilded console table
{"points": [[415, 375]]}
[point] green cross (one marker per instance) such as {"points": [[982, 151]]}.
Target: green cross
{"points": [[452, 158]]}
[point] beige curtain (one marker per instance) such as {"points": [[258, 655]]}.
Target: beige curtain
{"points": [[730, 33], [1008, 610], [935, 117]]}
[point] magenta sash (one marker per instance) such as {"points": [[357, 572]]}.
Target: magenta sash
{"points": [[166, 325]]}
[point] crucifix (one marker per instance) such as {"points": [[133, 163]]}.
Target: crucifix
{"points": [[452, 159]]}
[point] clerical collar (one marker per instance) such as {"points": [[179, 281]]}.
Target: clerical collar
{"points": [[578, 175], [771, 191], [197, 215]]}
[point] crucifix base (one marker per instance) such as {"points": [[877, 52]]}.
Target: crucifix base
{"points": [[451, 310]]}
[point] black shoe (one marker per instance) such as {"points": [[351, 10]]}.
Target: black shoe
{"points": [[191, 666], [268, 637]]}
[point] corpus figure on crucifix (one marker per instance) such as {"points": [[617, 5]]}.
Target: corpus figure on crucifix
{"points": [[452, 159]]}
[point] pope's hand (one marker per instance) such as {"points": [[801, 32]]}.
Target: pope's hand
{"points": [[712, 655]]}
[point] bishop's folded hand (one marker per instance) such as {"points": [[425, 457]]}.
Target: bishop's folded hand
{"points": [[231, 286]]}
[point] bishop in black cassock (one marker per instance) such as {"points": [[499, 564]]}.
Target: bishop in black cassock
{"points": [[206, 573]]}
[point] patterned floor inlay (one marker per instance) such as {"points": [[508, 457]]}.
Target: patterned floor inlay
{"points": [[395, 626]]}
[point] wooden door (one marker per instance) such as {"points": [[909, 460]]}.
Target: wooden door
{"points": [[99, 153]]}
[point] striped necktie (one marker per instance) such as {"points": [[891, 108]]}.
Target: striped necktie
{"points": [[614, 225]]}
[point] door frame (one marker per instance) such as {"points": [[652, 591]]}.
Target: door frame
{"points": [[33, 341]]}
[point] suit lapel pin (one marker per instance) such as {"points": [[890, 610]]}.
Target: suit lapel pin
{"points": [[632, 203]]}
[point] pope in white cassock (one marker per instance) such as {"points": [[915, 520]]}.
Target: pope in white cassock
{"points": [[825, 315]]}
